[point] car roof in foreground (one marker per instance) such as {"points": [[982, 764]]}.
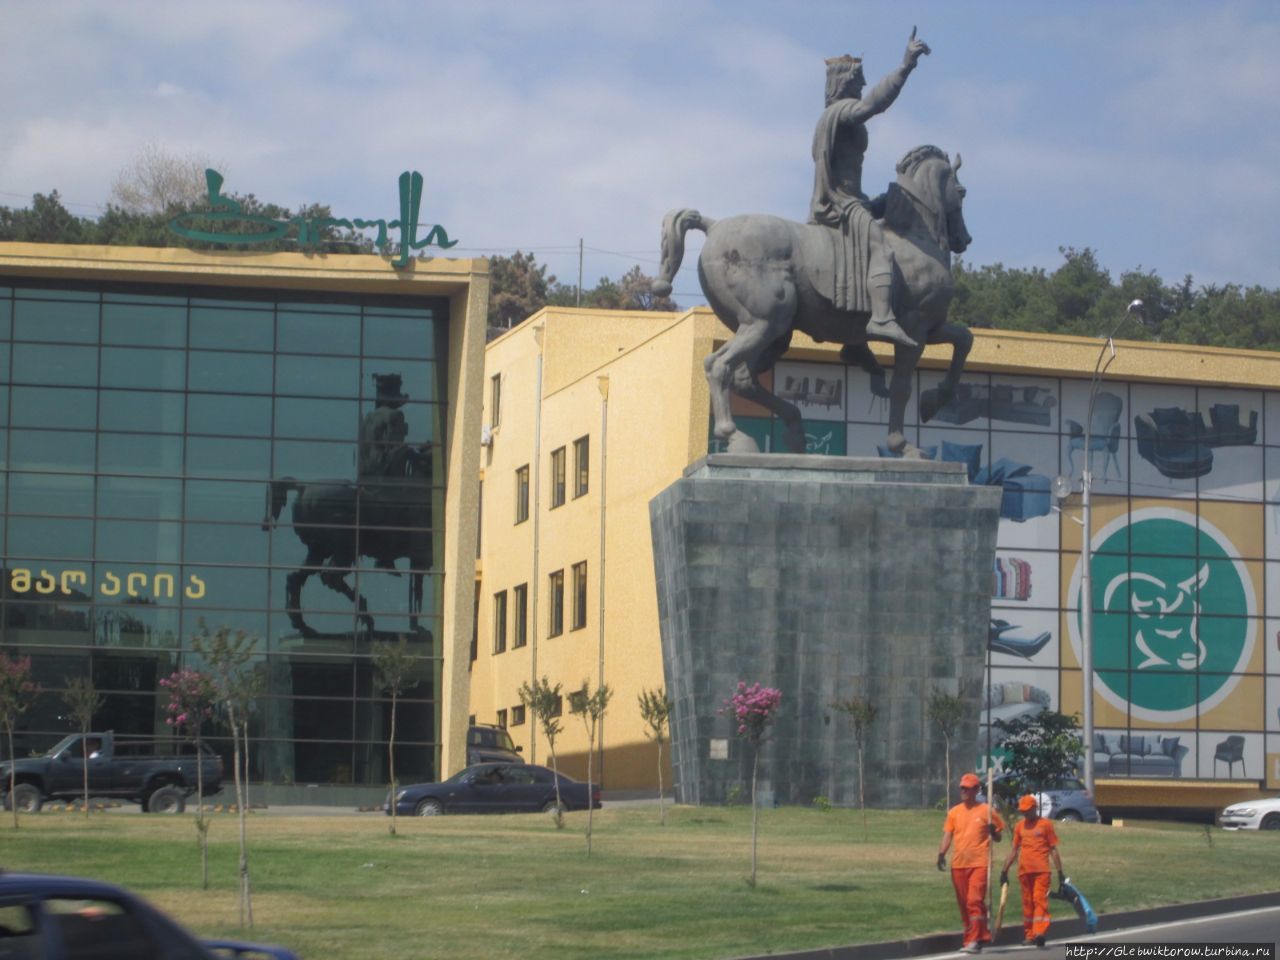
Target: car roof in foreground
{"points": [[44, 884]]}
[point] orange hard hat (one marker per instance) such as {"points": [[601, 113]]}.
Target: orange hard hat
{"points": [[970, 780], [1027, 802]]}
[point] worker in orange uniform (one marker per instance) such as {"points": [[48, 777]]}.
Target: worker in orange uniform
{"points": [[969, 829], [1037, 842]]}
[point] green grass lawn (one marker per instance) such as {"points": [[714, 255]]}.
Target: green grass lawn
{"points": [[341, 888]]}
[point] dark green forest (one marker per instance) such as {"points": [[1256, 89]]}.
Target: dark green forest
{"points": [[1079, 296]]}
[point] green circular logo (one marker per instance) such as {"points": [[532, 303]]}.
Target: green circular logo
{"points": [[1173, 610]]}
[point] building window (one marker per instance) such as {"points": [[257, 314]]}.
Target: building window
{"points": [[555, 615], [495, 400], [579, 611], [557, 477], [517, 715], [502, 719], [522, 494], [500, 622], [581, 465], [521, 612], [558, 709]]}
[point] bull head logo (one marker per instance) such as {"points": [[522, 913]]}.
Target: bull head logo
{"points": [[1169, 618]]}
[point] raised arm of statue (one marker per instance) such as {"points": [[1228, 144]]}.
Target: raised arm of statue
{"points": [[882, 95]]}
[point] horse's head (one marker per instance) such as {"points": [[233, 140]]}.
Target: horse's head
{"points": [[929, 178]]}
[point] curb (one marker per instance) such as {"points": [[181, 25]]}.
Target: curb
{"points": [[1012, 935]]}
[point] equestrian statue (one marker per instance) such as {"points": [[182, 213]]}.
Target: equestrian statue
{"points": [[860, 269]]}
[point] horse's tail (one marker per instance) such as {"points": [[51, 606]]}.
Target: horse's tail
{"points": [[674, 226], [277, 494]]}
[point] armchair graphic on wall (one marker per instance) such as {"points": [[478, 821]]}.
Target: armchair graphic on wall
{"points": [[1025, 495], [794, 389], [1002, 639], [1180, 444], [1104, 434], [1230, 751]]}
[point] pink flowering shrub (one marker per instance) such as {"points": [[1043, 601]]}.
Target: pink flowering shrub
{"points": [[753, 708], [191, 700]]}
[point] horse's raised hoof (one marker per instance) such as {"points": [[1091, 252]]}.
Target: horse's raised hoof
{"points": [[740, 442]]}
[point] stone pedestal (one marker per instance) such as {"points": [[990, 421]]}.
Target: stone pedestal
{"points": [[828, 578]]}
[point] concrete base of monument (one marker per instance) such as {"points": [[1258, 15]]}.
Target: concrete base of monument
{"points": [[827, 578]]}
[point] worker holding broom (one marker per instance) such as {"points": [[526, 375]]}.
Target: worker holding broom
{"points": [[969, 829], [1035, 845]]}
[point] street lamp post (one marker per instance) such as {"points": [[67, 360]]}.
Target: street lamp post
{"points": [[1107, 353]]}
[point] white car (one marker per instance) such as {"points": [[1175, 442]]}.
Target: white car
{"points": [[1261, 814]]}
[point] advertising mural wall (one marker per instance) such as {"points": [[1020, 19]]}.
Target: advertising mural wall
{"points": [[1186, 547]]}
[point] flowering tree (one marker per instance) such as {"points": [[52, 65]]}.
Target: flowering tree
{"points": [[753, 708], [192, 695], [17, 692], [655, 709]]}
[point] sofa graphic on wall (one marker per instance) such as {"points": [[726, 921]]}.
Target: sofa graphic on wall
{"points": [[1180, 444], [1015, 640], [1145, 755], [1025, 405]]}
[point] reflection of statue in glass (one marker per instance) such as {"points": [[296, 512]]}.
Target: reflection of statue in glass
{"points": [[385, 515], [383, 452]]}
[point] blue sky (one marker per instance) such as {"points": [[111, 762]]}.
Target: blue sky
{"points": [[1146, 130]]}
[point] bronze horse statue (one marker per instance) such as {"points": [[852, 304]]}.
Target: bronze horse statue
{"points": [[339, 521], [762, 276]]}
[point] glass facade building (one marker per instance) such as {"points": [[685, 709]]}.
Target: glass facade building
{"points": [[185, 458]]}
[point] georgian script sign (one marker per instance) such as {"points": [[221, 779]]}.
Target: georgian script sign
{"points": [[309, 231]]}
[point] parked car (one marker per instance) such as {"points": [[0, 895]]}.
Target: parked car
{"points": [[1064, 799], [58, 918], [1261, 814], [487, 744], [494, 788], [159, 774]]}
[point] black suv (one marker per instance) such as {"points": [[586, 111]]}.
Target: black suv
{"points": [[486, 744]]}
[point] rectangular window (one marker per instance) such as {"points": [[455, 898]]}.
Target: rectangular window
{"points": [[522, 494], [579, 611], [558, 709], [502, 719], [521, 612], [517, 715], [581, 465], [500, 621], [495, 400], [557, 477], [555, 613]]}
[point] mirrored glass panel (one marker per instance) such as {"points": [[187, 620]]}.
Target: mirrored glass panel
{"points": [[318, 376], [143, 369], [225, 543], [51, 450], [139, 453], [206, 587], [416, 376], [59, 321], [52, 537], [229, 372], [139, 541], [44, 364], [313, 461], [221, 413], [232, 327], [54, 407], [144, 498], [53, 494], [217, 457], [221, 500], [316, 332], [313, 418], [398, 336], [145, 324], [145, 411]]}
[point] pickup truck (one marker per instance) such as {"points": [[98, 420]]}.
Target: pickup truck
{"points": [[159, 774]]}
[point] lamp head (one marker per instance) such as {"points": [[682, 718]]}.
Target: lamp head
{"points": [[1138, 308]]}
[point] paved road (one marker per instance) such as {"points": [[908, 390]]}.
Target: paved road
{"points": [[1246, 926]]}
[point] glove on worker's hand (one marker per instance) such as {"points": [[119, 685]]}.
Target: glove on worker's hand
{"points": [[942, 861], [1004, 876]]}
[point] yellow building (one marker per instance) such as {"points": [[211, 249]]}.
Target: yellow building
{"points": [[154, 400], [589, 414]]}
